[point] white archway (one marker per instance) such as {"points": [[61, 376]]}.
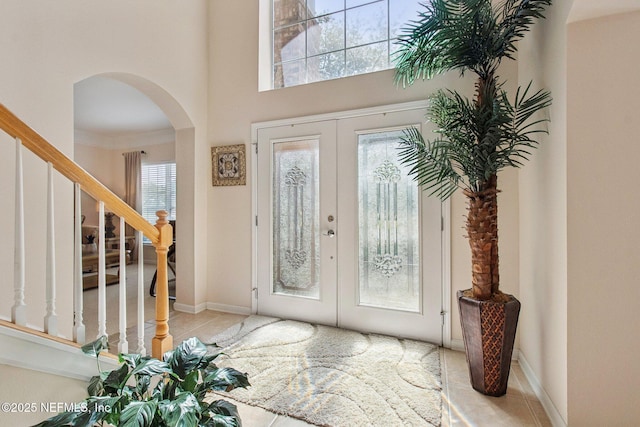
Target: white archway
{"points": [[184, 157]]}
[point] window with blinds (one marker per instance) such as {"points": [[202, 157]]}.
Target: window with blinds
{"points": [[158, 190]]}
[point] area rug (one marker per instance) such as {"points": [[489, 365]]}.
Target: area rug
{"points": [[334, 377]]}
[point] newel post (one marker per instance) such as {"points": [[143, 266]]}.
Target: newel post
{"points": [[162, 341]]}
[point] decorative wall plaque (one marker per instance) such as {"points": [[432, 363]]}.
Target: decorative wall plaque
{"points": [[228, 164]]}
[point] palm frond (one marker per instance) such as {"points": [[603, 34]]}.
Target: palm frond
{"points": [[463, 35], [423, 51], [517, 16], [518, 134], [428, 164], [474, 138]]}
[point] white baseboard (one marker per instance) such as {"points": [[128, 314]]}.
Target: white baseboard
{"points": [[458, 345], [551, 410], [233, 309], [24, 350], [191, 309]]}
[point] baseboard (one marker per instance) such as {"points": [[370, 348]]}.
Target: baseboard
{"points": [[28, 351], [233, 309], [551, 410], [458, 345], [191, 309]]}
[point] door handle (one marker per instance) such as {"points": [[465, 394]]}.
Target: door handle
{"points": [[329, 233]]}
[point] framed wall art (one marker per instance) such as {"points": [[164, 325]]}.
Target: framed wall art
{"points": [[228, 164]]}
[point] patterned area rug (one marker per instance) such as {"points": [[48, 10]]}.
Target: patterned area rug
{"points": [[334, 377]]}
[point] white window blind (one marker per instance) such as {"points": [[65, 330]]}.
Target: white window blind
{"points": [[158, 190]]}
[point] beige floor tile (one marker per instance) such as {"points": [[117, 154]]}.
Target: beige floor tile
{"points": [[539, 413], [468, 407], [207, 330], [252, 416], [519, 382], [456, 371], [180, 322], [527, 390], [462, 406], [283, 421]]}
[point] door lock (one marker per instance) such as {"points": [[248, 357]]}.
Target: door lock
{"points": [[329, 233]]}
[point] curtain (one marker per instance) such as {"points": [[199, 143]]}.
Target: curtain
{"points": [[133, 191]]}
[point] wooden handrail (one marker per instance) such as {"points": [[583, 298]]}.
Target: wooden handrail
{"points": [[160, 234], [31, 140]]}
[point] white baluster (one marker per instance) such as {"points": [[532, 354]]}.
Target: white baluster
{"points": [[19, 309], [123, 345], [141, 348], [78, 320], [102, 275], [51, 318]]}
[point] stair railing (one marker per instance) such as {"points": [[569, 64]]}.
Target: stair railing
{"points": [[160, 235]]}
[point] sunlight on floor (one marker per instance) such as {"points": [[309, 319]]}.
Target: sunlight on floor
{"points": [[462, 406]]}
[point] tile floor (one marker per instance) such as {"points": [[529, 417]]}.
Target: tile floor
{"points": [[462, 406]]}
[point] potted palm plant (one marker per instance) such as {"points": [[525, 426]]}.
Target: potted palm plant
{"points": [[474, 140]]}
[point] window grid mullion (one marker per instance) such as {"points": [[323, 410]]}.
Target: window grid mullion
{"points": [[305, 22]]}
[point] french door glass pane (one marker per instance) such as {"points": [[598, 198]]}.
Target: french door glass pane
{"points": [[389, 270], [296, 214]]}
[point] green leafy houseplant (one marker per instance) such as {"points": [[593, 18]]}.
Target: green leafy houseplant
{"points": [[149, 392], [474, 140]]}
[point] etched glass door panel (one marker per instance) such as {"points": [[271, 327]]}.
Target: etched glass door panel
{"points": [[389, 242], [343, 237], [295, 192], [388, 213], [296, 233]]}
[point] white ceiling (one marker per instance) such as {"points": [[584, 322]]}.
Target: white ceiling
{"points": [[108, 107]]}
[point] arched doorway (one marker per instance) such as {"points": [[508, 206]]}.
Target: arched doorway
{"points": [[163, 121]]}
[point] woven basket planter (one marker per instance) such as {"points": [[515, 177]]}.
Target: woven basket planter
{"points": [[489, 330]]}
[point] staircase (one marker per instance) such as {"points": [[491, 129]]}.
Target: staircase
{"points": [[21, 326]]}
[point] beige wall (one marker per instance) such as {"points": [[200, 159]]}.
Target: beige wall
{"points": [[107, 165], [543, 223], [236, 103], [99, 162], [49, 46], [578, 219], [603, 216]]}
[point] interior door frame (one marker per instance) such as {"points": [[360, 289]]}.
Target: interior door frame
{"points": [[446, 207]]}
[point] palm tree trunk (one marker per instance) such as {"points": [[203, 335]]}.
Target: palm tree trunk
{"points": [[482, 232]]}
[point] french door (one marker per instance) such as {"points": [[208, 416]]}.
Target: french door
{"points": [[297, 248], [344, 237]]}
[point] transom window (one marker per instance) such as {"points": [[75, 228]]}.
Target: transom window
{"points": [[317, 40]]}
